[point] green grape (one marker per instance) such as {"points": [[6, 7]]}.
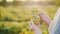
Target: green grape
{"points": [[35, 17]]}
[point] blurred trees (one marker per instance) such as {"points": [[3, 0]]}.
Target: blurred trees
{"points": [[56, 2], [15, 2], [3, 3]]}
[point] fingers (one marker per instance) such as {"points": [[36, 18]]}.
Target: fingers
{"points": [[45, 18], [33, 26]]}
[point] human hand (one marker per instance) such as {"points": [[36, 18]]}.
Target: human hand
{"points": [[35, 28]]}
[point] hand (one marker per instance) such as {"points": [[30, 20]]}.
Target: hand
{"points": [[45, 18], [35, 28]]}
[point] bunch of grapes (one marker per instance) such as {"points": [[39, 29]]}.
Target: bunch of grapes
{"points": [[35, 16]]}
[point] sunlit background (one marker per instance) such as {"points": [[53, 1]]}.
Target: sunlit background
{"points": [[15, 15]]}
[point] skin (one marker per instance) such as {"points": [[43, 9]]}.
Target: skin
{"points": [[46, 19]]}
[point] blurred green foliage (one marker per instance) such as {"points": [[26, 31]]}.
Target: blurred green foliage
{"points": [[15, 20], [9, 23]]}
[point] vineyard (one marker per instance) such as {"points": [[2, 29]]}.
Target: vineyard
{"points": [[15, 20], [15, 16]]}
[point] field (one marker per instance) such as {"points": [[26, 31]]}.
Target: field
{"points": [[15, 20]]}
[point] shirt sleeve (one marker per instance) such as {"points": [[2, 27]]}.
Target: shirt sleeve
{"points": [[55, 25]]}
